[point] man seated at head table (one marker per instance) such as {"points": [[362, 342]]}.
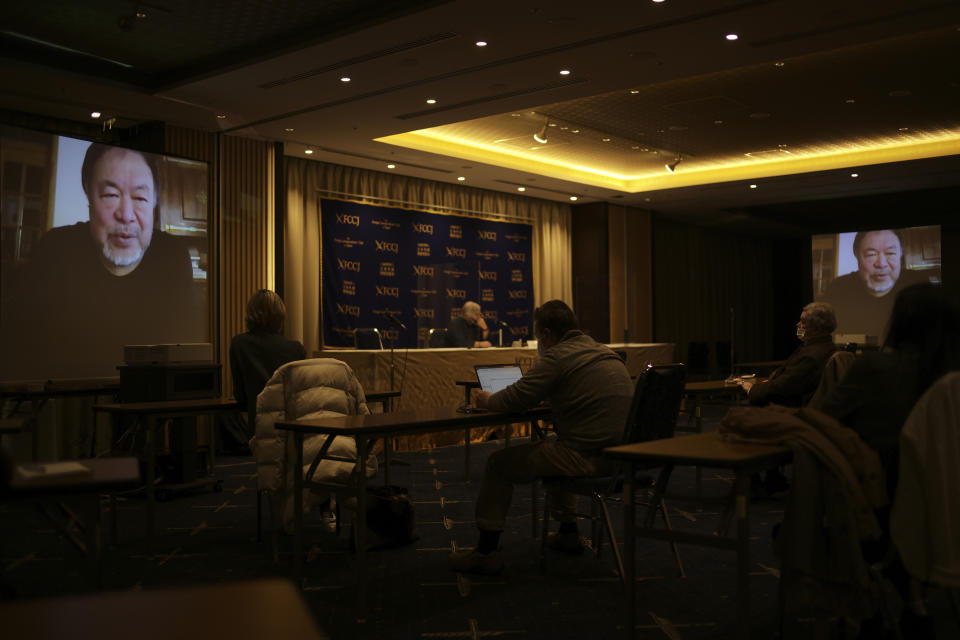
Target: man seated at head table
{"points": [[794, 382], [469, 329], [590, 390]]}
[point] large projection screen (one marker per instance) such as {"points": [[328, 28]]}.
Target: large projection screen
{"points": [[101, 247], [861, 272]]}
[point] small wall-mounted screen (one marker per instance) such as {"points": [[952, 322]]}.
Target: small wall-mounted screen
{"points": [[861, 272], [102, 247]]}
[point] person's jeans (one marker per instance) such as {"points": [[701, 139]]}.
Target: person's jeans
{"points": [[525, 463]]}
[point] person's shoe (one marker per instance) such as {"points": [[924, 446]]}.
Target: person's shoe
{"points": [[472, 561], [568, 543]]}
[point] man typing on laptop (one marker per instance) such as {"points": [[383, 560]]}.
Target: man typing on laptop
{"points": [[590, 390]]}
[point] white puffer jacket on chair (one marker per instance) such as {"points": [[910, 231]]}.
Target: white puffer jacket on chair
{"points": [[301, 390]]}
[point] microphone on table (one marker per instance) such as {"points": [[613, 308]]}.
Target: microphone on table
{"points": [[503, 325], [394, 321]]}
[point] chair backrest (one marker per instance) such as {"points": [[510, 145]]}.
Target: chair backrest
{"points": [[656, 403], [833, 372], [367, 339], [437, 338], [698, 357]]}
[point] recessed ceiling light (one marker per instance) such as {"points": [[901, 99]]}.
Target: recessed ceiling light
{"points": [[345, 79], [647, 199], [573, 198], [289, 129], [391, 166], [141, 14], [657, 1], [779, 64], [95, 114], [431, 101], [753, 186], [635, 147], [605, 139], [635, 91], [850, 101], [521, 188], [220, 116], [854, 175], [514, 115], [732, 36], [565, 72], [551, 124], [481, 43], [461, 178], [718, 122], [574, 130], [308, 151], [904, 129]]}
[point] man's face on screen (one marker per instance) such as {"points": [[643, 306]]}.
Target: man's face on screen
{"points": [[122, 199], [879, 258]]}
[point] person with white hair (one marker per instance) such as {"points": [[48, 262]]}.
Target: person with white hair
{"points": [[469, 329], [794, 383]]}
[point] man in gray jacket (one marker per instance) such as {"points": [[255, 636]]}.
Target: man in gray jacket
{"points": [[590, 390]]}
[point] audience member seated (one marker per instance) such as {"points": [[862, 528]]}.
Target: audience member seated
{"points": [[256, 354], [590, 390], [469, 329], [881, 387], [302, 390], [793, 383], [879, 392]]}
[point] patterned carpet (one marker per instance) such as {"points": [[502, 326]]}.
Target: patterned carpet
{"points": [[211, 537]]}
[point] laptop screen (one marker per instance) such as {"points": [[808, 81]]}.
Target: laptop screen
{"points": [[494, 377]]}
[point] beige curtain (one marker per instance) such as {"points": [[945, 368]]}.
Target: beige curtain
{"points": [[307, 182]]}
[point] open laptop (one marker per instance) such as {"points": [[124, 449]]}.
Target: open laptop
{"points": [[493, 377]]}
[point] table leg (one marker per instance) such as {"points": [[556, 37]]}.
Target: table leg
{"points": [[151, 476], [361, 535], [698, 421], [630, 543], [743, 554], [466, 455], [387, 455], [298, 509]]}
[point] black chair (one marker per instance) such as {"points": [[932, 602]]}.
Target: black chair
{"points": [[698, 359], [437, 338], [653, 416], [724, 364], [367, 339]]}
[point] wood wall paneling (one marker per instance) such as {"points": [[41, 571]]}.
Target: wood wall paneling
{"points": [[590, 260]]}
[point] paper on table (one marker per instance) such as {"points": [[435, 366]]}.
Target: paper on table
{"points": [[52, 469]]}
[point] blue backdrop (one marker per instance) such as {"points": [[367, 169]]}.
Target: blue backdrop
{"points": [[421, 267]]}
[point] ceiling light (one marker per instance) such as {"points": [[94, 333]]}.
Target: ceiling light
{"points": [[904, 129], [345, 79], [718, 122], [521, 188], [391, 166], [671, 167], [753, 186], [850, 101], [308, 151], [565, 72], [141, 14], [220, 116], [658, 1], [481, 43], [605, 139], [289, 129], [431, 101], [634, 91], [95, 114], [779, 64], [732, 36], [573, 198], [461, 178], [541, 136], [854, 175]]}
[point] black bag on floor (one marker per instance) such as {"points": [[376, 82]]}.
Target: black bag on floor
{"points": [[390, 518]]}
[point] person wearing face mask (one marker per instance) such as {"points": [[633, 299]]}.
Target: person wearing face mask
{"points": [[589, 388], [795, 381], [863, 299]]}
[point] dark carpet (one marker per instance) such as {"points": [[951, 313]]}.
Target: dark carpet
{"points": [[211, 537]]}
